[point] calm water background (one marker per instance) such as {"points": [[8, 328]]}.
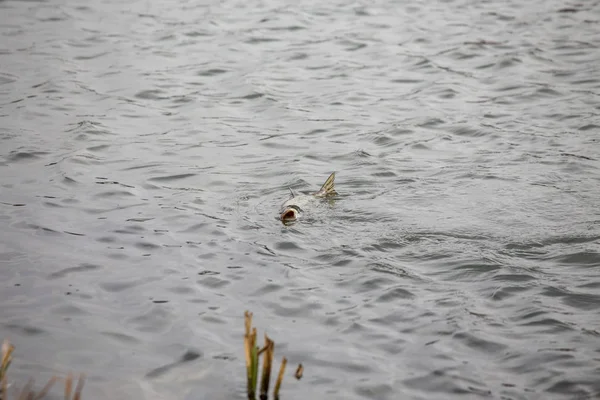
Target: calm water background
{"points": [[145, 147]]}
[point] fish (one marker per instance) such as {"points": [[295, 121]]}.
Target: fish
{"points": [[291, 209]]}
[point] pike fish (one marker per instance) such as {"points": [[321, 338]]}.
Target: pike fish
{"points": [[291, 209]]}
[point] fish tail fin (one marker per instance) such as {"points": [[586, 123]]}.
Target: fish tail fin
{"points": [[328, 188]]}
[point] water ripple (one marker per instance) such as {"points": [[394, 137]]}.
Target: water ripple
{"points": [[147, 148]]}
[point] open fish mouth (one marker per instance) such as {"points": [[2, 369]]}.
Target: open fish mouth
{"points": [[291, 209], [289, 214]]}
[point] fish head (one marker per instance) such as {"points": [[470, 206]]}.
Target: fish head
{"points": [[290, 213]]}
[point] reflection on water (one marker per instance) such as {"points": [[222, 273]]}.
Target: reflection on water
{"points": [[146, 149]]}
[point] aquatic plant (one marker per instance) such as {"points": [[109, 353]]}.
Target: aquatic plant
{"points": [[253, 354], [27, 393], [7, 350], [252, 351]]}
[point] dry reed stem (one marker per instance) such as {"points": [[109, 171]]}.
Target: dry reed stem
{"points": [[248, 349], [248, 322], [266, 371], [79, 387], [251, 352], [299, 371], [7, 350], [46, 388], [254, 363], [26, 392], [68, 386], [279, 378]]}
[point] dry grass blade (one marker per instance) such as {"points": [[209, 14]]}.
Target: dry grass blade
{"points": [[79, 387], [279, 378], [266, 371], [26, 392], [261, 351], [68, 386], [7, 350], [46, 388]]}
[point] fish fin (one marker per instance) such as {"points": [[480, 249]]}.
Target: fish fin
{"points": [[328, 188]]}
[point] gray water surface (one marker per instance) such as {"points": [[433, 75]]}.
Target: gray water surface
{"points": [[146, 146]]}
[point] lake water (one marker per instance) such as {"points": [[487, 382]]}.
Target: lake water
{"points": [[146, 146]]}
